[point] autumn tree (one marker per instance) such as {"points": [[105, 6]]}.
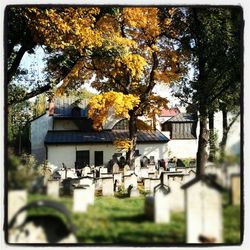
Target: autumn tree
{"points": [[127, 51]]}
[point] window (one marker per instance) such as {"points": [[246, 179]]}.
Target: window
{"points": [[98, 158], [82, 158]]}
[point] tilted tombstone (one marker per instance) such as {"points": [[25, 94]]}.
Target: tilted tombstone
{"points": [[108, 186], [53, 188], [153, 183], [115, 168], [203, 211], [81, 198], [130, 180], [235, 189], [161, 204]]}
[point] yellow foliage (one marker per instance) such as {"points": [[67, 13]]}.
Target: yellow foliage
{"points": [[123, 144], [100, 105]]}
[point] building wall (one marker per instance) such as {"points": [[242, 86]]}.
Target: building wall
{"points": [[58, 154], [64, 125], [233, 140], [39, 128]]}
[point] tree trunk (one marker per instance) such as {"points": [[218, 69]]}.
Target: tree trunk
{"points": [[202, 144], [130, 156], [212, 142], [224, 134]]}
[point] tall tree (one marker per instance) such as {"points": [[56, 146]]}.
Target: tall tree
{"points": [[215, 43], [127, 50]]}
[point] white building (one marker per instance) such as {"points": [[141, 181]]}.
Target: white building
{"points": [[65, 135]]}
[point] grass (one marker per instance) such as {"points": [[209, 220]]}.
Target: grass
{"points": [[122, 221]]}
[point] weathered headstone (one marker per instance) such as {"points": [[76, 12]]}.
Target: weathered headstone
{"points": [[118, 176], [86, 180], [81, 196], [107, 186], [130, 180], [144, 172], [235, 190], [16, 200], [203, 211], [103, 171], [134, 192], [161, 204], [146, 182], [53, 187], [153, 183], [126, 169], [115, 168]]}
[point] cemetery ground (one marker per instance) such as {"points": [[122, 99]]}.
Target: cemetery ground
{"points": [[120, 220]]}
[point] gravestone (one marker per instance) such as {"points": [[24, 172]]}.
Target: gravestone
{"points": [[161, 204], [126, 169], [203, 211], [144, 172], [137, 161], [134, 192], [146, 182], [107, 186], [81, 198], [130, 180], [153, 183], [115, 168], [235, 189], [86, 180], [86, 171], [138, 171], [176, 196], [16, 200], [53, 187], [151, 168], [118, 177], [103, 171]]}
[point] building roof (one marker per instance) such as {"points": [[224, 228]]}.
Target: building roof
{"points": [[104, 136], [170, 112], [182, 117]]}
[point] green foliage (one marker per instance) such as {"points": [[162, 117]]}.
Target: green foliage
{"points": [[21, 170], [39, 105]]}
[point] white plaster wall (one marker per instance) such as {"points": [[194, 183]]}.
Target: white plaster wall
{"points": [[182, 148], [58, 154], [64, 125], [39, 128], [233, 140]]}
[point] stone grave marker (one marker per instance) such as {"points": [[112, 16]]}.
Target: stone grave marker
{"points": [[115, 169], [86, 180], [118, 176], [153, 183], [103, 171], [107, 186], [53, 187], [203, 211], [144, 172], [235, 189], [130, 180], [146, 182], [81, 198], [161, 204], [134, 192]]}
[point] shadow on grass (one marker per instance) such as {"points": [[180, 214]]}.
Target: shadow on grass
{"points": [[135, 218]]}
